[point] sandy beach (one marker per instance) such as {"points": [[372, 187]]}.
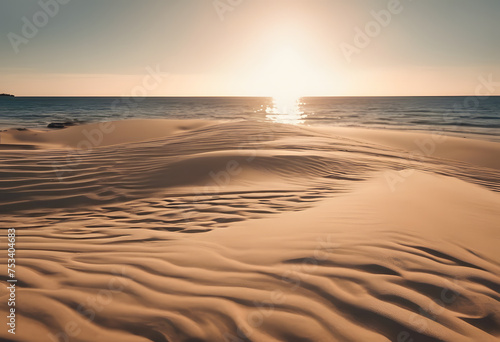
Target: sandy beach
{"points": [[176, 230]]}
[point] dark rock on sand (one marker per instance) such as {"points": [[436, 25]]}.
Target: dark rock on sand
{"points": [[60, 125]]}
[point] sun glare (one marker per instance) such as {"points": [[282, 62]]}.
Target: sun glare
{"points": [[290, 74], [287, 110]]}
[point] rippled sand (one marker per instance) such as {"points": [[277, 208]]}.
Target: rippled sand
{"points": [[247, 231]]}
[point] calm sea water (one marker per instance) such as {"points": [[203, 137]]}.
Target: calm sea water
{"points": [[450, 114]]}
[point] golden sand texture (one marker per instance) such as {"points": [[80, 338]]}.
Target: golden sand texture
{"points": [[158, 230]]}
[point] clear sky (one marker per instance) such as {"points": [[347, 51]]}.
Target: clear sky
{"points": [[248, 47]]}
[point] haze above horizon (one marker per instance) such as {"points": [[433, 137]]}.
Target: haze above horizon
{"points": [[281, 48]]}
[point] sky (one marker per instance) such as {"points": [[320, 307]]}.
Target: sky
{"points": [[248, 47]]}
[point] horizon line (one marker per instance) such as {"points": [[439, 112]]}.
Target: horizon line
{"points": [[247, 96]]}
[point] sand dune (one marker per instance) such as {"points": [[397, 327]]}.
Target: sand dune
{"points": [[250, 231]]}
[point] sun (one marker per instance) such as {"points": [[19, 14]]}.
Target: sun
{"points": [[287, 63], [288, 70], [289, 75]]}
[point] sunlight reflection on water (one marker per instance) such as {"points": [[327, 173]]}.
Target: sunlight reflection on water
{"points": [[286, 110]]}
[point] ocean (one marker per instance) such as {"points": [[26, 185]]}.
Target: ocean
{"points": [[452, 115]]}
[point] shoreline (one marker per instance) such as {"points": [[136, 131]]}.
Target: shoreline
{"points": [[11, 130]]}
